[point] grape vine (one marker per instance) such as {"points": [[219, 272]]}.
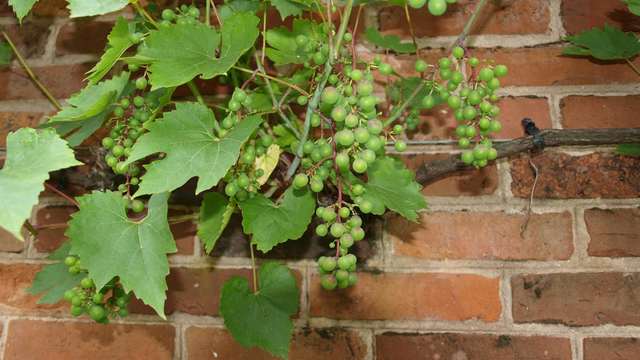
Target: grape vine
{"points": [[306, 134]]}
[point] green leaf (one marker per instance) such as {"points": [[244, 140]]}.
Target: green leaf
{"points": [[629, 149], [634, 6], [391, 42], [54, 279], [80, 8], [215, 213], [192, 149], [263, 318], [391, 185], [285, 137], [198, 46], [22, 7], [604, 44], [288, 8], [5, 53], [119, 42], [232, 7], [399, 91], [272, 224], [267, 163], [110, 244], [283, 47], [31, 156]]}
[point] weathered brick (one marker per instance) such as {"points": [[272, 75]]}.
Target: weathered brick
{"points": [[75, 340], [483, 236], [15, 280], [562, 176], [507, 18], [12, 121], [600, 111], [47, 8], [470, 346], [576, 299], [83, 37], [467, 183], [424, 296], [30, 38], [309, 344], [613, 232], [61, 80], [580, 15], [8, 243], [611, 348]]}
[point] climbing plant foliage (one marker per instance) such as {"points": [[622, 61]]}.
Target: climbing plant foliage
{"points": [[286, 126]]}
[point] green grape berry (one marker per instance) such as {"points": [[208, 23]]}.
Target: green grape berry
{"points": [[141, 83], [316, 184], [357, 233], [428, 102], [486, 74], [474, 62], [86, 283], [416, 4], [385, 69], [328, 282], [97, 312], [357, 189], [76, 310], [322, 230], [501, 70], [137, 206], [70, 260], [458, 52], [302, 100], [467, 157], [329, 95], [400, 146], [437, 7], [68, 295], [345, 137], [359, 165], [421, 65], [337, 230], [300, 181]]}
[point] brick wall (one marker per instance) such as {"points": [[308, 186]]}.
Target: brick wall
{"points": [[463, 284]]}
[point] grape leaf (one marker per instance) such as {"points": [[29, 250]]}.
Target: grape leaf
{"points": [[284, 49], [272, 224], [54, 279], [192, 149], [392, 185], [80, 8], [22, 7], [119, 42], [5, 53], [288, 8], [232, 7], [629, 149], [263, 318], [110, 244], [215, 213], [634, 6], [608, 43], [268, 162], [391, 42], [31, 156], [198, 46]]}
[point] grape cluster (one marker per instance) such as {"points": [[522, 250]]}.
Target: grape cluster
{"points": [[435, 7], [185, 14], [101, 305]]}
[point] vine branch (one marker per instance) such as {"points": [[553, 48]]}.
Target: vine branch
{"points": [[469, 25]]}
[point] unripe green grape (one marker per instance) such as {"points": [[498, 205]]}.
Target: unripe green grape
{"points": [[134, 181], [375, 126], [437, 7], [421, 65], [484, 124], [470, 113], [346, 240], [347, 37], [76, 300], [141, 83], [248, 157], [234, 105], [300, 181], [194, 12], [416, 4], [355, 221], [365, 88], [316, 184], [486, 74], [319, 58], [458, 52], [344, 212], [400, 146], [353, 279], [474, 98], [444, 94], [76, 310], [351, 121], [345, 137], [357, 233], [485, 106], [137, 206], [97, 312], [315, 120], [457, 77], [97, 298], [328, 282], [326, 150], [344, 262], [333, 79], [316, 155], [492, 154], [302, 100], [461, 131], [168, 14], [301, 40], [68, 295], [495, 126], [375, 144], [123, 312], [138, 101], [367, 103], [464, 143], [470, 131], [357, 189], [493, 84], [359, 166], [428, 102], [231, 189], [385, 69], [122, 188], [70, 260], [446, 74], [480, 153], [444, 63], [454, 102], [501, 70], [474, 62], [397, 129], [118, 112], [329, 215], [330, 95], [495, 111], [121, 168], [481, 163], [366, 206], [467, 157], [337, 229], [342, 275], [452, 86], [338, 114], [328, 264], [368, 155], [361, 135], [459, 115], [322, 230], [356, 75], [494, 98]]}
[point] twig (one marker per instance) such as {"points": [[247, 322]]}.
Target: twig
{"points": [[253, 268], [32, 230], [469, 25], [524, 226], [411, 30], [196, 92], [267, 76], [637, 71], [437, 169], [215, 12], [144, 13], [29, 72], [207, 11], [63, 195]]}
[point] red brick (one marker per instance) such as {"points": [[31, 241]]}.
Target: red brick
{"points": [[308, 344], [471, 346], [61, 80], [439, 123], [509, 18], [576, 299], [613, 232], [611, 348], [75, 340], [468, 183], [83, 37], [8, 243], [12, 121], [30, 38], [46, 8], [538, 66], [562, 176], [600, 111], [580, 15], [483, 236], [424, 296], [15, 280]]}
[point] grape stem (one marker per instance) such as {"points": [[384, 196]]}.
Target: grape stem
{"points": [[315, 100], [196, 92], [635, 69], [30, 73], [253, 268], [207, 11], [469, 25], [144, 13], [407, 15], [267, 76], [63, 195], [215, 12]]}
